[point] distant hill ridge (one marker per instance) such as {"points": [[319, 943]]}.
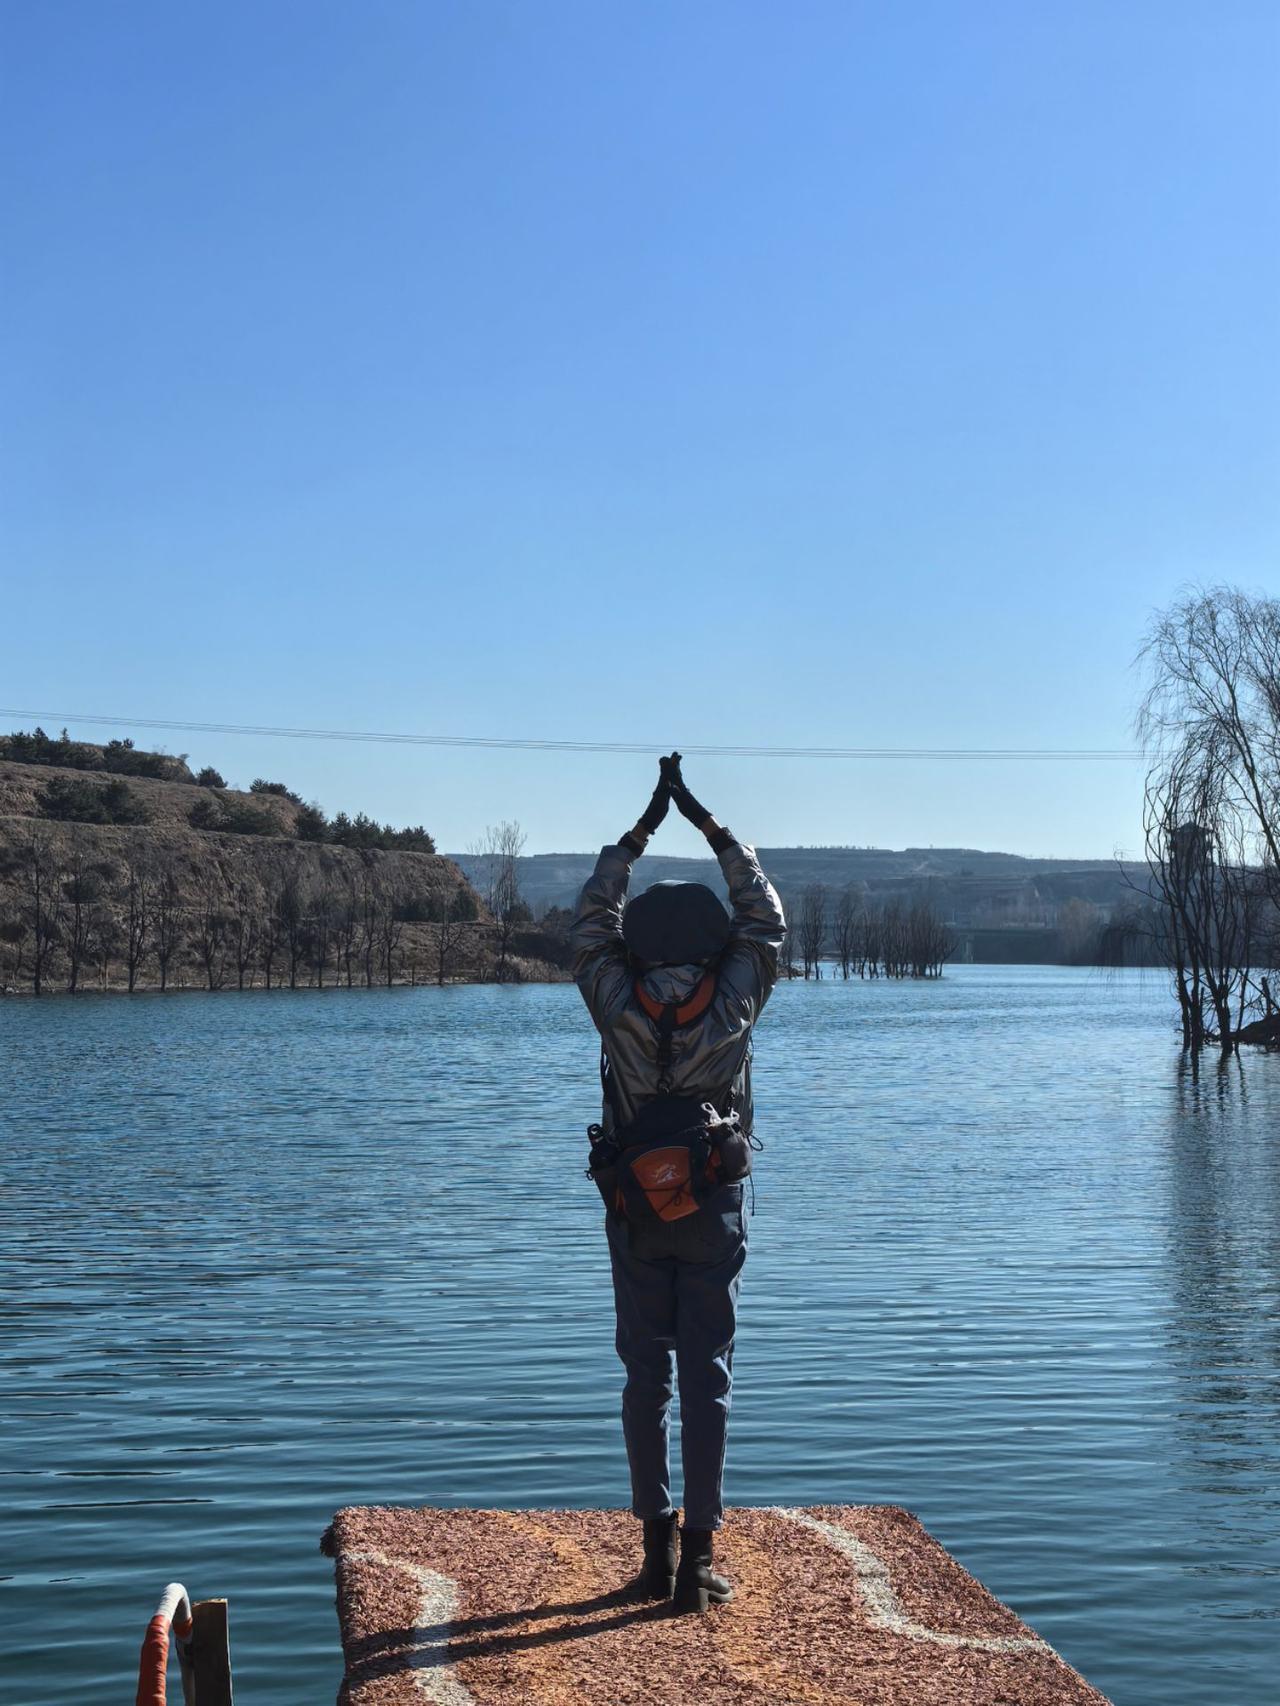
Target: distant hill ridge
{"points": [[972, 888]]}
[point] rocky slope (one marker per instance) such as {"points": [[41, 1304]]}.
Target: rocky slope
{"points": [[220, 885]]}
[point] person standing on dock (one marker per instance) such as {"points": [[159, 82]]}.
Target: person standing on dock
{"points": [[674, 985]]}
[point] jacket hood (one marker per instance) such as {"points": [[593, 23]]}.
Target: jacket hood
{"points": [[672, 984]]}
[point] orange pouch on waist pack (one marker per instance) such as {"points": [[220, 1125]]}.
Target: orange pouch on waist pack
{"points": [[664, 1173], [669, 1167]]}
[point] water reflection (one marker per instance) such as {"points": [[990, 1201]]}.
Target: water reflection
{"points": [[1222, 1348], [1014, 1266]]}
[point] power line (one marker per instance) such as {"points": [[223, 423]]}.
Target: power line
{"points": [[530, 745]]}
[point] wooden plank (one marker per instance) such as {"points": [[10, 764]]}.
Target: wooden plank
{"points": [[211, 1652]]}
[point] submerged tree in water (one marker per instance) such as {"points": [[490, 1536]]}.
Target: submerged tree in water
{"points": [[888, 940], [1210, 723]]}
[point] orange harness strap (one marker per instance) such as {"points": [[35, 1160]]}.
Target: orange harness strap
{"points": [[696, 1005]]}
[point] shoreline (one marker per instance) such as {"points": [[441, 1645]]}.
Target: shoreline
{"points": [[113, 990]]}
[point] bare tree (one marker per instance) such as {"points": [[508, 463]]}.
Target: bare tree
{"points": [[448, 932], [81, 888], [291, 916], [1215, 691], [813, 927], [870, 953], [170, 926], [212, 923], [931, 942], [370, 914], [498, 854], [1207, 921], [44, 907], [139, 889], [845, 929], [15, 936], [106, 939], [1168, 923], [390, 928], [1210, 722], [320, 926], [270, 932], [484, 865], [244, 931], [347, 927], [895, 946]]}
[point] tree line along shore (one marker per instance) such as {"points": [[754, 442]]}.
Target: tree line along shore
{"points": [[122, 869]]}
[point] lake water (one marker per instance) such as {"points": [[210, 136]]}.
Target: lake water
{"points": [[1013, 1267]]}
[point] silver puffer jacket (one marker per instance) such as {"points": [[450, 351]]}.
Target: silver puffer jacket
{"points": [[711, 1057]]}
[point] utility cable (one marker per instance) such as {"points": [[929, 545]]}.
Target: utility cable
{"points": [[1102, 754]]}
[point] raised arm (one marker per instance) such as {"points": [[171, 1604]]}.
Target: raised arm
{"points": [[599, 954], [758, 928], [749, 963]]}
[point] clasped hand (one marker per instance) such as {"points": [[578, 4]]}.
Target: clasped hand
{"points": [[672, 788]]}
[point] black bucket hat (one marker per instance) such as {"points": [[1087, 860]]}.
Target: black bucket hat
{"points": [[675, 924]]}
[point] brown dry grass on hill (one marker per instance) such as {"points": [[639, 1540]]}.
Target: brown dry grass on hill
{"points": [[217, 879], [168, 803]]}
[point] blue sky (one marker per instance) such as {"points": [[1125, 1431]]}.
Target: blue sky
{"points": [[837, 374]]}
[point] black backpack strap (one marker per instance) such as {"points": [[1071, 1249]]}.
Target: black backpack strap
{"points": [[666, 1026], [607, 1087], [666, 1029]]}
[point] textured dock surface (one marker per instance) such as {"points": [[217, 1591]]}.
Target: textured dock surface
{"points": [[836, 1605]]}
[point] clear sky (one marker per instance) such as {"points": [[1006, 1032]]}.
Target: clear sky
{"points": [[816, 373]]}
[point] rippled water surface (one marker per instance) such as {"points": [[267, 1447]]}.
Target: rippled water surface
{"points": [[1012, 1266]]}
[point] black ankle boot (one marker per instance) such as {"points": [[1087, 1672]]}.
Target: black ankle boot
{"points": [[697, 1585], [657, 1575]]}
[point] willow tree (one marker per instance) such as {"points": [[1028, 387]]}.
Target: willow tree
{"points": [[1210, 724]]}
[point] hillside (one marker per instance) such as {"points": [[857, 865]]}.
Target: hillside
{"points": [[210, 908], [168, 803]]}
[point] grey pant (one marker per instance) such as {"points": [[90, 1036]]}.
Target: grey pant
{"points": [[675, 1284]]}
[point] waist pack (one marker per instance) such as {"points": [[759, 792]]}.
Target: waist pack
{"points": [[666, 1162]]}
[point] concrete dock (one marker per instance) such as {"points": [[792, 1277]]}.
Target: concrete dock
{"points": [[837, 1605]]}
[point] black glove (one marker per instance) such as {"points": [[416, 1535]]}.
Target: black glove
{"points": [[656, 810], [686, 805], [634, 839]]}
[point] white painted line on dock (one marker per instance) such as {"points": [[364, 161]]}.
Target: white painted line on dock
{"points": [[883, 1604], [437, 1607]]}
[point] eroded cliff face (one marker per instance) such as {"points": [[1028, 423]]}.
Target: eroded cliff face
{"points": [[232, 901]]}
